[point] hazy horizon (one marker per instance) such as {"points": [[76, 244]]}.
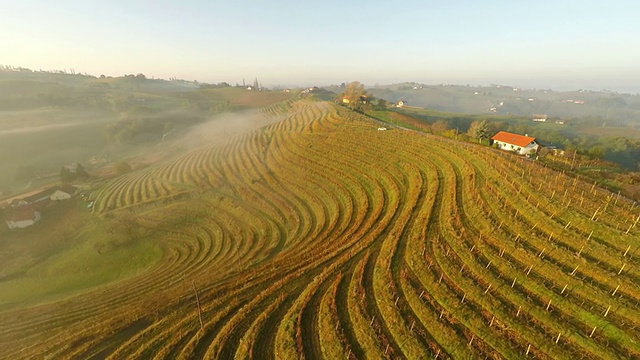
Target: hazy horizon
{"points": [[561, 46]]}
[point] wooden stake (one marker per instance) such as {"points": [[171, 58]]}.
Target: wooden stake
{"points": [[548, 304], [626, 251], [198, 304], [463, 297], [574, 270], [514, 282], [592, 331], [488, 264], [622, 268], [615, 291], [488, 287], [607, 312], [492, 318], [558, 338], [518, 312], [528, 348], [563, 289]]}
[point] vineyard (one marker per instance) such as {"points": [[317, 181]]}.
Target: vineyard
{"points": [[320, 237]]}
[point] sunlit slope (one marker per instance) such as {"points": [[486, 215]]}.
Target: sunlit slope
{"points": [[319, 236]]}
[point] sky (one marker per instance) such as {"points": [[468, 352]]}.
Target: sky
{"points": [[561, 44]]}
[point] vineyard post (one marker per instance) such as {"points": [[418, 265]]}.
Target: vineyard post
{"points": [[195, 290], [574, 270]]}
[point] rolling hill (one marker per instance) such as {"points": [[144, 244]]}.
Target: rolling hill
{"points": [[318, 236]]}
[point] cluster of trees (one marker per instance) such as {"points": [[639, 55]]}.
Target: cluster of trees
{"points": [[66, 175], [356, 97], [214, 86]]}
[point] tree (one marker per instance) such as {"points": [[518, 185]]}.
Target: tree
{"points": [[66, 175], [439, 127], [353, 91], [478, 130], [596, 152], [382, 104], [80, 171]]}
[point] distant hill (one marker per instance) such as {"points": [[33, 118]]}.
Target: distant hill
{"points": [[605, 107]]}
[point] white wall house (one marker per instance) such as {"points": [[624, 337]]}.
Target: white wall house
{"points": [[63, 192], [520, 144], [539, 117], [23, 218], [60, 195]]}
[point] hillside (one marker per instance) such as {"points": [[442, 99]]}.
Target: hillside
{"points": [[319, 236], [51, 119]]}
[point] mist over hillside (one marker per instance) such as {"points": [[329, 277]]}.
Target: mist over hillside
{"points": [[607, 108], [50, 119]]}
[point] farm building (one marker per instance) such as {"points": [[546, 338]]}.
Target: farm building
{"points": [[23, 217], [539, 117], [401, 103], [513, 142], [38, 197], [18, 202], [63, 192], [56, 193]]}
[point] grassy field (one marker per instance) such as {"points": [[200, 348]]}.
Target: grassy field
{"points": [[318, 236]]}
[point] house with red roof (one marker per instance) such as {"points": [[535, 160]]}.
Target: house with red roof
{"points": [[23, 217], [521, 144]]}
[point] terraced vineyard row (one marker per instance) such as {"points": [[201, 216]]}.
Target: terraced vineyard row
{"points": [[319, 236]]}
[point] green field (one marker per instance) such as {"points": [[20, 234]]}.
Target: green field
{"points": [[318, 236]]}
